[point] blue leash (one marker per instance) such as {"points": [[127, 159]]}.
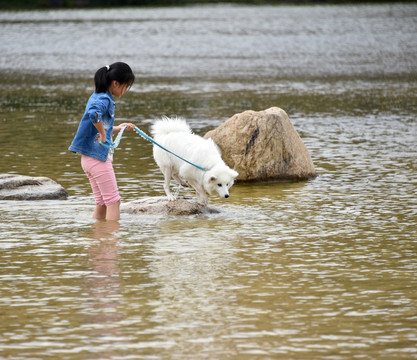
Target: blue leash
{"points": [[110, 145], [114, 145]]}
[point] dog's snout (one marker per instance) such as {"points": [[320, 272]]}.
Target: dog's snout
{"points": [[226, 196]]}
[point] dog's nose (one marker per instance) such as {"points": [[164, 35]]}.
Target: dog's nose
{"points": [[226, 196]]}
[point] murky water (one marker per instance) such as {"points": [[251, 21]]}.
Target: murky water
{"points": [[324, 269]]}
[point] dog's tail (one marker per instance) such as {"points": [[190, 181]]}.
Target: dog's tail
{"points": [[168, 125]]}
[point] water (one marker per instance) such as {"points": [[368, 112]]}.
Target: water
{"points": [[323, 269]]}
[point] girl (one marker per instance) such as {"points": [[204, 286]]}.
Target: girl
{"points": [[97, 125]]}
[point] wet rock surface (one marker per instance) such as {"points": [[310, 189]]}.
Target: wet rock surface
{"points": [[161, 206], [21, 187]]}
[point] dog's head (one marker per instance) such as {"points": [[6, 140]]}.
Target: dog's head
{"points": [[220, 179]]}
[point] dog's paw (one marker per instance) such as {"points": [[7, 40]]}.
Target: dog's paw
{"points": [[182, 182], [202, 201], [171, 198]]}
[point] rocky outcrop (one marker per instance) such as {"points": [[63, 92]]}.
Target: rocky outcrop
{"points": [[161, 206], [263, 145], [20, 187]]}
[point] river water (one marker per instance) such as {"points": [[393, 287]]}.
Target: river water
{"points": [[322, 269]]}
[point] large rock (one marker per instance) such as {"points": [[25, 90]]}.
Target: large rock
{"points": [[20, 187], [161, 206], [263, 145]]}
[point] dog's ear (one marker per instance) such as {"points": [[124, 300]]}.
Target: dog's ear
{"points": [[212, 178], [234, 173]]}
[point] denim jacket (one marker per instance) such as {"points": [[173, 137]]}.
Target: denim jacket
{"points": [[100, 107]]}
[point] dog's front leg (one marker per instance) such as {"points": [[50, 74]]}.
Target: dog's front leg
{"points": [[202, 197], [179, 180]]}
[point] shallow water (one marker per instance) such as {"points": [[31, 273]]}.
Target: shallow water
{"points": [[323, 269]]}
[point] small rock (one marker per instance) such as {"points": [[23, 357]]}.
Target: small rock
{"points": [[161, 206], [21, 187], [263, 145]]}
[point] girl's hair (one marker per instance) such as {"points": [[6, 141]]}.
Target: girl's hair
{"points": [[118, 71]]}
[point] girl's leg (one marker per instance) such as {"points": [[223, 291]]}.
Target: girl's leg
{"points": [[101, 209], [100, 212], [113, 211], [104, 185], [110, 193]]}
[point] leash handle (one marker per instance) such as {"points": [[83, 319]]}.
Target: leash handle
{"points": [[110, 145]]}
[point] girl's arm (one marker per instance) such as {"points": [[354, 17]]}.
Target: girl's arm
{"points": [[102, 133], [129, 127]]}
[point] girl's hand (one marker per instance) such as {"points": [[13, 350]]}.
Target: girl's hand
{"points": [[101, 137], [129, 126], [101, 132]]}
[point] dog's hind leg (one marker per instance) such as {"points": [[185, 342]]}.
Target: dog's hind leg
{"points": [[167, 176]]}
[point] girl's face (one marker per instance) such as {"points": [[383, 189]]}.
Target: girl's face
{"points": [[117, 89]]}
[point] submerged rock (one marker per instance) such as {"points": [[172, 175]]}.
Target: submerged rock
{"points": [[161, 206], [263, 145], [21, 187]]}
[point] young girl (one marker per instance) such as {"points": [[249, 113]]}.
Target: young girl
{"points": [[97, 125]]}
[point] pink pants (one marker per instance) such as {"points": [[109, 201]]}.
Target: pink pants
{"points": [[102, 180]]}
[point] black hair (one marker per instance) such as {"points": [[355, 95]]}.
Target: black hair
{"points": [[118, 71]]}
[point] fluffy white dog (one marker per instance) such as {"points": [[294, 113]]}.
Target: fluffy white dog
{"points": [[176, 135]]}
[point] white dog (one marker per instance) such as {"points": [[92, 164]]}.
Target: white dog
{"points": [[176, 136]]}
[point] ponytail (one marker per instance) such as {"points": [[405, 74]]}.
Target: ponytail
{"points": [[118, 71], [100, 79]]}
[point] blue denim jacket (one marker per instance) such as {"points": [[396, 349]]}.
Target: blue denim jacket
{"points": [[100, 107]]}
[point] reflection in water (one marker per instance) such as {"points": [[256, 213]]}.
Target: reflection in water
{"points": [[103, 284], [194, 300]]}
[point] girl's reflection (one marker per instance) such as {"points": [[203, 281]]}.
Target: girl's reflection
{"points": [[103, 285]]}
